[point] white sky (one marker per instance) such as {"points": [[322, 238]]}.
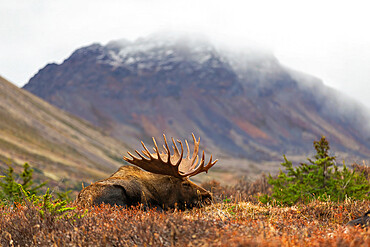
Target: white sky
{"points": [[325, 38]]}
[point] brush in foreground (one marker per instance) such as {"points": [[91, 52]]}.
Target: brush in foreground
{"points": [[363, 221]]}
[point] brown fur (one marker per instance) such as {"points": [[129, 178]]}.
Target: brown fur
{"points": [[130, 186]]}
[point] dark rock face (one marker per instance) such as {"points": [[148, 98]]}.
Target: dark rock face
{"points": [[242, 104]]}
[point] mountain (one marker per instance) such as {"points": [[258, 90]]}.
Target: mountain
{"points": [[247, 107], [60, 147]]}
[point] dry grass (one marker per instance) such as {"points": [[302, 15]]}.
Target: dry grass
{"points": [[365, 169], [220, 224], [243, 190], [235, 218]]}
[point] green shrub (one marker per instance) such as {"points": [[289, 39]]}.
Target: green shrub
{"points": [[47, 207], [64, 196], [27, 193], [320, 178], [10, 190]]}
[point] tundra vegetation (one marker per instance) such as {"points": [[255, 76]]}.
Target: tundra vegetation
{"points": [[249, 213]]}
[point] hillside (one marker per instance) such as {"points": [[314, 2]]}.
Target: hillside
{"points": [[247, 107], [59, 146]]}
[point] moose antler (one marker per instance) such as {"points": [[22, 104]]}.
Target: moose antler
{"points": [[174, 165]]}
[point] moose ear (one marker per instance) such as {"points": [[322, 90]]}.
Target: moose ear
{"points": [[186, 184], [170, 179]]}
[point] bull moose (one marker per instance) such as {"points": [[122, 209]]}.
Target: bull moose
{"points": [[164, 184]]}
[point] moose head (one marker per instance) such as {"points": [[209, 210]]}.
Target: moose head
{"points": [[162, 182]]}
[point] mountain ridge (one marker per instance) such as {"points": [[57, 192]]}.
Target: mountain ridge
{"points": [[245, 106]]}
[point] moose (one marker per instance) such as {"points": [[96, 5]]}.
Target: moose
{"points": [[162, 182]]}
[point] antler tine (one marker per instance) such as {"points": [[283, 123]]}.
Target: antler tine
{"points": [[167, 149], [210, 164], [187, 146], [196, 148], [201, 167], [202, 160], [198, 169], [181, 155], [195, 163], [142, 157], [147, 151], [190, 165], [175, 149], [156, 150], [125, 158]]}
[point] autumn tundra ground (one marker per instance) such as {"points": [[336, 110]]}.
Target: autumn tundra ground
{"points": [[234, 219]]}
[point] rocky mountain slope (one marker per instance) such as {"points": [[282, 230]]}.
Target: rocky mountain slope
{"points": [[246, 106], [59, 146]]}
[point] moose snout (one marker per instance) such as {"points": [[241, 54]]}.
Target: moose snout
{"points": [[205, 196]]}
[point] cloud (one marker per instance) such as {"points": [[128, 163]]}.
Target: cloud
{"points": [[318, 37]]}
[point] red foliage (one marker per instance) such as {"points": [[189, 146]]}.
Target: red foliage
{"points": [[223, 224], [240, 220]]}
